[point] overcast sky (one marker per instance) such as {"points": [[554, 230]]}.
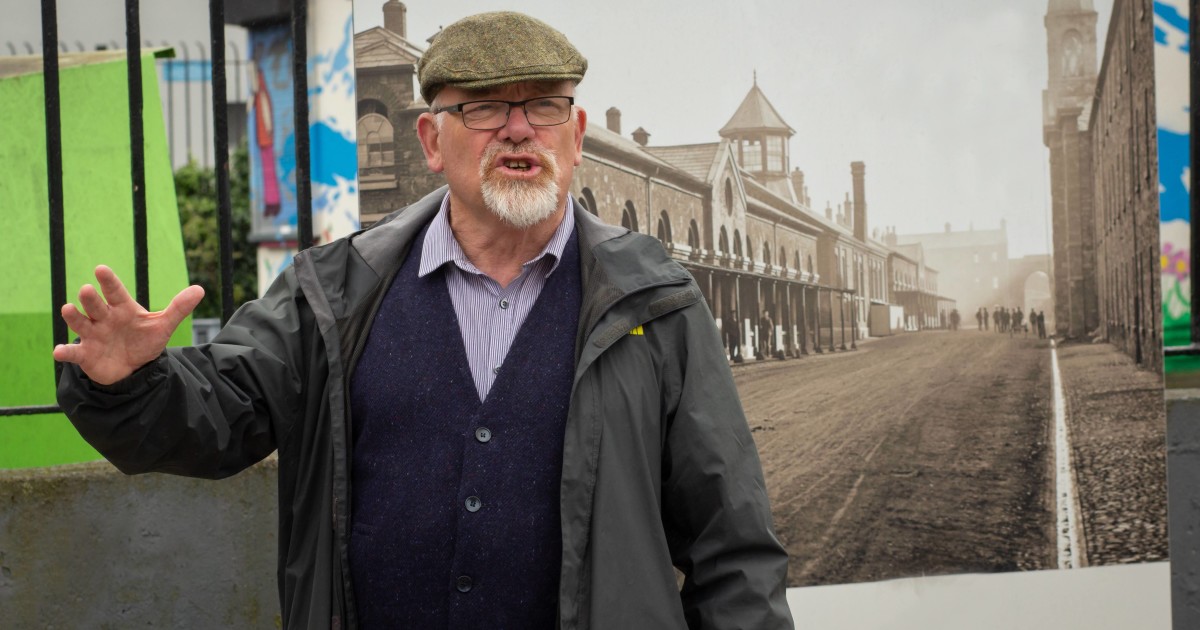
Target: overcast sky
{"points": [[940, 98]]}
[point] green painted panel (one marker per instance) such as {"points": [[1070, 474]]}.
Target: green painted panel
{"points": [[98, 215]]}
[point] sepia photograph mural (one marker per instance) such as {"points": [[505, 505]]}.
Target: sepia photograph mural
{"points": [[928, 234]]}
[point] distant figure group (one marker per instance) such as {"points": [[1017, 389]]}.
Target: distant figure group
{"points": [[1011, 321]]}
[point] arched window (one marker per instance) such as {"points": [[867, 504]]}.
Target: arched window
{"points": [[766, 253], [728, 195], [723, 241], [693, 235], [589, 202], [749, 249], [810, 264], [629, 217], [782, 258], [798, 267], [375, 136], [737, 243], [664, 228]]}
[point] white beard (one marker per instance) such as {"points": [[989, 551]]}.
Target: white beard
{"points": [[520, 203]]}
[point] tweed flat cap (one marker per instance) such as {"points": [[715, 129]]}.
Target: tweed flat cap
{"points": [[491, 49]]}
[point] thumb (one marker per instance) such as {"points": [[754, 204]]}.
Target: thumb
{"points": [[183, 304]]}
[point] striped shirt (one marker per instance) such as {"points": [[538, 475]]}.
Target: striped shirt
{"points": [[489, 315]]}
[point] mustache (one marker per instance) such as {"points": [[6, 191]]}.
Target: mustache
{"points": [[546, 158]]}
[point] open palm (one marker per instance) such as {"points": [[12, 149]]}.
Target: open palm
{"points": [[117, 335]]}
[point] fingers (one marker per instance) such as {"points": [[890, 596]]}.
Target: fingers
{"points": [[68, 353], [183, 304], [114, 291], [92, 303], [76, 321]]}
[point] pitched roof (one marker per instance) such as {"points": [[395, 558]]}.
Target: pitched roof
{"points": [[379, 47], [694, 159], [600, 138], [756, 114]]}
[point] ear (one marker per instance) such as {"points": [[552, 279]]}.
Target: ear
{"points": [[580, 128], [427, 132]]}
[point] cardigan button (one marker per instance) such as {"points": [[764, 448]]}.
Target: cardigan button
{"points": [[473, 504], [483, 434], [463, 583]]}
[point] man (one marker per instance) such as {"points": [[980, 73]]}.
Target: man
{"points": [[731, 326], [491, 410]]}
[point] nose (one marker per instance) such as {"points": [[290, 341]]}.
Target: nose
{"points": [[517, 128]]}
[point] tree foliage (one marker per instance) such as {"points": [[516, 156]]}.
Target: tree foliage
{"points": [[196, 192]]}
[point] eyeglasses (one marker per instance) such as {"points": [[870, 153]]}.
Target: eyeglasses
{"points": [[542, 111]]}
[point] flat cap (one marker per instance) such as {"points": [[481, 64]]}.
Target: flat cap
{"points": [[491, 49]]}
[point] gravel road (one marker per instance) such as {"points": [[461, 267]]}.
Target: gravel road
{"points": [[931, 453]]}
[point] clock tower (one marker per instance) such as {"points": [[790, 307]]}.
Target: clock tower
{"points": [[1066, 112]]}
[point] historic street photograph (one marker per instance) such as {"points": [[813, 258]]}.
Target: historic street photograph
{"points": [[928, 234]]}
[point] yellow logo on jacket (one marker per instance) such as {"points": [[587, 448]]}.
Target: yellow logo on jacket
{"points": [[637, 331]]}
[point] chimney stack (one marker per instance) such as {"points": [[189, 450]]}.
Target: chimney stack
{"points": [[614, 120], [641, 136], [798, 185], [858, 175], [828, 211], [394, 17]]}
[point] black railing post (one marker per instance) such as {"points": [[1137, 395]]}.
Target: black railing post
{"points": [[54, 184], [137, 151], [300, 108], [216, 15]]}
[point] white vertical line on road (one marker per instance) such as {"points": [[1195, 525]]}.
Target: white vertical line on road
{"points": [[1066, 520]]}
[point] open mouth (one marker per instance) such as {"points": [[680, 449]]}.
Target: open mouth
{"points": [[525, 161]]}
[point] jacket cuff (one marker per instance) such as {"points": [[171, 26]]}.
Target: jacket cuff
{"points": [[139, 380]]}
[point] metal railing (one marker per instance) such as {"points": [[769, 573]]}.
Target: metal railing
{"points": [[194, 68], [50, 62]]}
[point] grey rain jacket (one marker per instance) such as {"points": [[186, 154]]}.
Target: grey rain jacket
{"points": [[659, 467]]}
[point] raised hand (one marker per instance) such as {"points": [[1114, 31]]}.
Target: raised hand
{"points": [[117, 335]]}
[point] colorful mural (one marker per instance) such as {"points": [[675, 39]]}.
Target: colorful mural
{"points": [[332, 119], [1171, 77], [334, 166], [272, 160]]}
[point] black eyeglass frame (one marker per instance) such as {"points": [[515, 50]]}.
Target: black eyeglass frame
{"points": [[458, 108]]}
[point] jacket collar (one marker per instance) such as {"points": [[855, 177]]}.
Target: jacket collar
{"points": [[612, 259], [614, 263]]}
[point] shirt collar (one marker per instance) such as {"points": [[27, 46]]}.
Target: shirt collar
{"points": [[440, 246]]}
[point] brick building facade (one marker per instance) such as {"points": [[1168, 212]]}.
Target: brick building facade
{"points": [[1125, 191], [1100, 128]]}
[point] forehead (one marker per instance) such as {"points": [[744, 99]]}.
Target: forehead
{"points": [[508, 92]]}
